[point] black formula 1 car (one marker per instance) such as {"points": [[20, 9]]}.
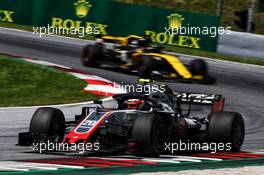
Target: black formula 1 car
{"points": [[135, 54], [141, 124]]}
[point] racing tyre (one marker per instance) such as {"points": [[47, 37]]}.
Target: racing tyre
{"points": [[150, 132], [146, 67], [228, 128], [48, 122], [91, 54], [198, 67]]}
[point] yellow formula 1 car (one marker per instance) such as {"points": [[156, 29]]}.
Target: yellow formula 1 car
{"points": [[135, 54]]}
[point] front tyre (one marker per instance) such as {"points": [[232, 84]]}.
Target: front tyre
{"points": [[226, 127], [48, 122], [149, 131], [199, 67]]}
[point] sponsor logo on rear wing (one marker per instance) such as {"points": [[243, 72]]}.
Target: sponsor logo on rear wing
{"points": [[197, 98]]}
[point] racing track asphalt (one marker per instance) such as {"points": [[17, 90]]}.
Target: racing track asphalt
{"points": [[242, 85]]}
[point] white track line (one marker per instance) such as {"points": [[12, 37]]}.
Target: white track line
{"points": [[45, 63], [161, 160], [26, 166], [104, 89], [3, 168], [186, 160], [192, 157]]}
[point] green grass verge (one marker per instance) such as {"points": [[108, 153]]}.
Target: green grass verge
{"points": [[16, 26], [26, 84]]}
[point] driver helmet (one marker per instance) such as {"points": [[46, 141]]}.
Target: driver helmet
{"points": [[134, 103]]}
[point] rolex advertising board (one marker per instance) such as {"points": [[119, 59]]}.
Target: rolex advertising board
{"points": [[119, 19], [18, 12]]}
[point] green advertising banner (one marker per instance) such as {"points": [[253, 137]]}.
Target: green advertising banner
{"points": [[16, 11], [119, 19]]}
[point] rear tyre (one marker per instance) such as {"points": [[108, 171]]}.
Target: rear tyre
{"points": [[149, 131], [91, 54], [226, 127], [198, 67], [48, 122], [146, 67]]}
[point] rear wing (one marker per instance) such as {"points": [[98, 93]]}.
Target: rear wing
{"points": [[196, 98], [215, 100]]}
